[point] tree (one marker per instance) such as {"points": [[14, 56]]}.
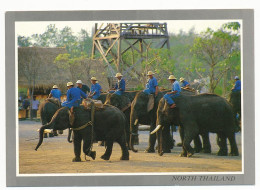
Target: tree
{"points": [[79, 67], [24, 41], [28, 66], [215, 52]]}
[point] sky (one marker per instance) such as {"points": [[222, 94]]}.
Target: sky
{"points": [[174, 26]]}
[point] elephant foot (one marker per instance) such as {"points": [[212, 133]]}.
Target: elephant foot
{"points": [[76, 159], [149, 150], [167, 151], [45, 135], [197, 150], [125, 157], [222, 153], [189, 154], [179, 144], [183, 154], [55, 133], [160, 153], [233, 154], [93, 155], [105, 157], [51, 135], [208, 151]]}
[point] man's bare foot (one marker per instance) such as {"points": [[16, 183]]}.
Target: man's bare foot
{"points": [[173, 106]]}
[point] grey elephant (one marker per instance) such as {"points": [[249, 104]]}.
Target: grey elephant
{"points": [[109, 125], [123, 103], [199, 114], [47, 110]]}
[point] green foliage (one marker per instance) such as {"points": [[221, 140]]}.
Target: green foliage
{"points": [[214, 54], [24, 41], [218, 52]]}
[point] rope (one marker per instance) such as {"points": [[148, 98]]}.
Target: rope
{"points": [[83, 126]]}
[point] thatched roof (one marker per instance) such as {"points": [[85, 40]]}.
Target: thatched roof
{"points": [[43, 61], [39, 61]]}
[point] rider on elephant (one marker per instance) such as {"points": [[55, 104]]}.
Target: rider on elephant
{"points": [[95, 89], [120, 85], [82, 86], [237, 86], [73, 97], [176, 89], [185, 84], [152, 84], [55, 92], [151, 87]]}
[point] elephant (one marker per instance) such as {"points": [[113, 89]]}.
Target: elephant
{"points": [[124, 104], [235, 100], [141, 115], [199, 114], [47, 110], [109, 125]]}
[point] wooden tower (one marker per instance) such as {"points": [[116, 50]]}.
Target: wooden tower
{"points": [[113, 40]]}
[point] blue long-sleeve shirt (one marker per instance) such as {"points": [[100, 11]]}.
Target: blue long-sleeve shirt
{"points": [[237, 87], [176, 87], [184, 83], [120, 85], [97, 89], [56, 93], [151, 85], [74, 97]]}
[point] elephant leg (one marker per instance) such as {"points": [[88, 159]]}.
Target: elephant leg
{"points": [[190, 132], [152, 140], [197, 144], [167, 140], [125, 153], [77, 138], [222, 143], [109, 146], [233, 145], [206, 143], [55, 133], [184, 152]]}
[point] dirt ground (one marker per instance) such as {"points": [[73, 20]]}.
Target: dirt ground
{"points": [[55, 156]]}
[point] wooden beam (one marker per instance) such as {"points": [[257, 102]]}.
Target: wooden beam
{"points": [[111, 46], [132, 46], [129, 47], [106, 37]]}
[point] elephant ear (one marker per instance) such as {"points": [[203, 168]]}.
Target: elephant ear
{"points": [[165, 107]]}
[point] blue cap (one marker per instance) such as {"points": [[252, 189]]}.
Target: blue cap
{"points": [[236, 77]]}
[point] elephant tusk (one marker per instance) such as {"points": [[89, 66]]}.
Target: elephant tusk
{"points": [[156, 129], [136, 121], [46, 130]]}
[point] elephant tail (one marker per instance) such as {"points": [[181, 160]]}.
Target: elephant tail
{"points": [[69, 135]]}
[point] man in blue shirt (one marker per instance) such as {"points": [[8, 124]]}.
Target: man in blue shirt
{"points": [[55, 92], [152, 85], [95, 89], [185, 84], [120, 85], [73, 97], [237, 86], [176, 89]]}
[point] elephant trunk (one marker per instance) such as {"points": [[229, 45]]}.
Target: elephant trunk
{"points": [[41, 133], [160, 141], [133, 129]]}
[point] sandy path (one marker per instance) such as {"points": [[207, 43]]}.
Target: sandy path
{"points": [[55, 155]]}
